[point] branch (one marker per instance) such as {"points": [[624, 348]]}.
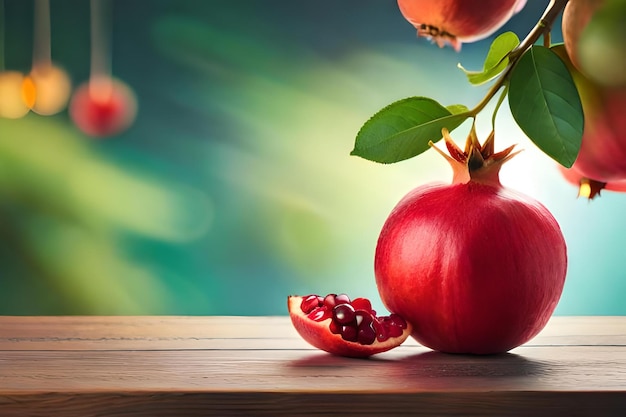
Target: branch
{"points": [[544, 25]]}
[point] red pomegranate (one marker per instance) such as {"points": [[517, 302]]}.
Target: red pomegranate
{"points": [[587, 187], [576, 17], [345, 327], [473, 266], [458, 21], [602, 155], [103, 107], [595, 38]]}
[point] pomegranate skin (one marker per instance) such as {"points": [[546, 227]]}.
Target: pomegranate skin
{"points": [[474, 267], [595, 39], [458, 21], [602, 155], [576, 17], [588, 187]]}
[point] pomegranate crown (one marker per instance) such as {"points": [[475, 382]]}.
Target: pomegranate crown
{"points": [[438, 36], [477, 163]]}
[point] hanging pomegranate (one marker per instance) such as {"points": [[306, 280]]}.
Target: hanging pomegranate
{"points": [[458, 21], [473, 266], [587, 187], [602, 155], [595, 38], [345, 327]]}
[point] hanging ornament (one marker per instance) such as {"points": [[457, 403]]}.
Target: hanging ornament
{"points": [[13, 100], [103, 106], [47, 88]]}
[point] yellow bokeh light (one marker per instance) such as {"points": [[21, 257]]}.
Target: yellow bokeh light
{"points": [[12, 99], [29, 92], [584, 190], [52, 89]]}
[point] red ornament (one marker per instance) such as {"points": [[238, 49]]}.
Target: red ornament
{"points": [[104, 107]]}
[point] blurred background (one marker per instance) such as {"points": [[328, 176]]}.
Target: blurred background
{"points": [[233, 187]]}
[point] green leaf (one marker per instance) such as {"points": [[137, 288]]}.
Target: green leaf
{"points": [[545, 104], [496, 61], [457, 108], [403, 129]]}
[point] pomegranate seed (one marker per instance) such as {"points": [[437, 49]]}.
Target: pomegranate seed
{"points": [[398, 320], [319, 314], [363, 317], [367, 335], [394, 331], [329, 300], [362, 304], [349, 333], [335, 328], [343, 313], [342, 299], [310, 303], [381, 330], [355, 320]]}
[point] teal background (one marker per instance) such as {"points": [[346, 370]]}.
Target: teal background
{"points": [[234, 187]]}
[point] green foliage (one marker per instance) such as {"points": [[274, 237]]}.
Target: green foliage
{"points": [[496, 61], [457, 108], [545, 104], [542, 97], [403, 129]]}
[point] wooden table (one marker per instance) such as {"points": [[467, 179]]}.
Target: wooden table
{"points": [[258, 366]]}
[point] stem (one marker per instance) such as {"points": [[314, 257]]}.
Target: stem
{"points": [[544, 25], [100, 74], [547, 39], [500, 101], [41, 47], [100, 58]]}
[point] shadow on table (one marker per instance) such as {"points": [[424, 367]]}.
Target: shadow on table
{"points": [[441, 365], [436, 368], [323, 360]]}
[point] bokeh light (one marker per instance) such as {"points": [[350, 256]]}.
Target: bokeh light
{"points": [[51, 89], [14, 95], [103, 107]]}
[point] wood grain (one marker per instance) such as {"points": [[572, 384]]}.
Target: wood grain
{"points": [[258, 366]]}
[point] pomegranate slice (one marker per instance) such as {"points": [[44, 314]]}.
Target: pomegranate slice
{"points": [[345, 327]]}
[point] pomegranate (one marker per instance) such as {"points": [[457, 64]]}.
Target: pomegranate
{"points": [[473, 266], [345, 327], [103, 107], [602, 155], [456, 21], [587, 187], [595, 39], [576, 16]]}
